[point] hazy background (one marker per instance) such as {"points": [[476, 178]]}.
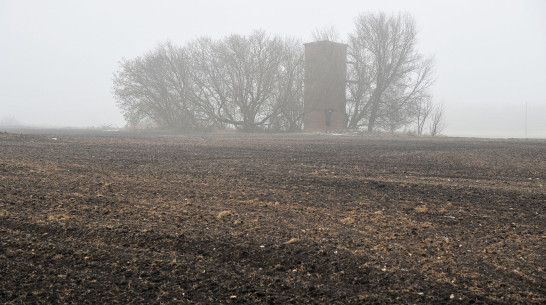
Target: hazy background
{"points": [[57, 57]]}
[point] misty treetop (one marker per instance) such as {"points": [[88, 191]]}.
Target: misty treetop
{"points": [[255, 82]]}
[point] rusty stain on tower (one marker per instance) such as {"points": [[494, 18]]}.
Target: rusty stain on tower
{"points": [[324, 86]]}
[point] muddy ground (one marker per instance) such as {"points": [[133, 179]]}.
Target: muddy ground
{"points": [[113, 218]]}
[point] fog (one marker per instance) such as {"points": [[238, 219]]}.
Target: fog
{"points": [[57, 57]]}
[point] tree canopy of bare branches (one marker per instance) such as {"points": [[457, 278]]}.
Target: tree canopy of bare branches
{"points": [[387, 76], [249, 82], [154, 87], [328, 33], [289, 91]]}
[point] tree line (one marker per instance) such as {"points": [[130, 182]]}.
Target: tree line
{"points": [[255, 82]]}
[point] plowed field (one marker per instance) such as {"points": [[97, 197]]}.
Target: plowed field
{"points": [[106, 219]]}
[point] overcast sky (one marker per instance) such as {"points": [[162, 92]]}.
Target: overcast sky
{"points": [[57, 57]]}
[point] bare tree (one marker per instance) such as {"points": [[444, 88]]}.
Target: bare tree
{"points": [[236, 80], [424, 110], [387, 75], [289, 90], [437, 125], [328, 33], [251, 82], [154, 87]]}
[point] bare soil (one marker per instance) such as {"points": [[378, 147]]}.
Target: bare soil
{"points": [[106, 219]]}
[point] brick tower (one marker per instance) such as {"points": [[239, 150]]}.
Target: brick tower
{"points": [[324, 86]]}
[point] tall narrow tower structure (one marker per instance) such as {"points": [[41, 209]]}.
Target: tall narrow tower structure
{"points": [[324, 86]]}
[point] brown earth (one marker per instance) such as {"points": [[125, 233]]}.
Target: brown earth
{"points": [[109, 219]]}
